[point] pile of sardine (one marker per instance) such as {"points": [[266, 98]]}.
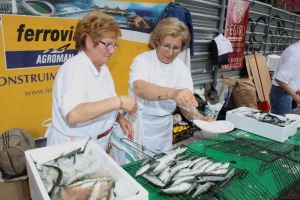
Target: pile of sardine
{"points": [[176, 172], [76, 175], [266, 117]]}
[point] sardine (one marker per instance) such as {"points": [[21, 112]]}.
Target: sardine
{"points": [[230, 174], [212, 173], [204, 179], [193, 186], [184, 157], [181, 165], [73, 153], [200, 163], [171, 156], [183, 179], [203, 167], [218, 171], [79, 192], [178, 150], [165, 173], [183, 172], [153, 165], [188, 173], [193, 162], [202, 188], [56, 183], [179, 188], [154, 180], [216, 178], [213, 166], [150, 160], [168, 180], [224, 165], [143, 169], [162, 165]]}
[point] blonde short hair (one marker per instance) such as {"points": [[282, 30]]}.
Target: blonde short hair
{"points": [[97, 25], [173, 27]]}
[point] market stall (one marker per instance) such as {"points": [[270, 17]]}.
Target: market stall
{"points": [[265, 169]]}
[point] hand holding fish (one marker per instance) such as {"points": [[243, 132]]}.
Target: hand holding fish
{"points": [[192, 113], [126, 126], [204, 118]]}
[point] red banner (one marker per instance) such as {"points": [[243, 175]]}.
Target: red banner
{"points": [[235, 31], [292, 2]]}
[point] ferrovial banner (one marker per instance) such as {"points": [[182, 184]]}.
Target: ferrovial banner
{"points": [[32, 48], [36, 42], [29, 42], [235, 31]]}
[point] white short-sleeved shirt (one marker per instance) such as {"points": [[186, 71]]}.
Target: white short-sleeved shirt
{"points": [[156, 115], [147, 67], [76, 82], [288, 70]]}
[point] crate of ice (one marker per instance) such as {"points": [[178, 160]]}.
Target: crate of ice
{"points": [[78, 170], [265, 124]]}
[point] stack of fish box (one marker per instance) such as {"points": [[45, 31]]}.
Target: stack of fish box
{"points": [[41, 155], [264, 129]]}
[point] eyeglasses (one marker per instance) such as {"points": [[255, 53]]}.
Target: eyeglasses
{"points": [[109, 45], [168, 47]]}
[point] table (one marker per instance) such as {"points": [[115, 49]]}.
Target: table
{"points": [[272, 167]]}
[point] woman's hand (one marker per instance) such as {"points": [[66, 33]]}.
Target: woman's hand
{"points": [[126, 126], [297, 99], [201, 117], [184, 98], [128, 104], [207, 118]]}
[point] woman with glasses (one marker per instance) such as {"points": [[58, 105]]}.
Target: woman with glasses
{"points": [[160, 81], [85, 103]]}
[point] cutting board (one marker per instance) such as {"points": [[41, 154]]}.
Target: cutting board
{"points": [[263, 70]]}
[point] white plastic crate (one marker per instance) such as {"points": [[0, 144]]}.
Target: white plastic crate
{"points": [[41, 155], [263, 129]]}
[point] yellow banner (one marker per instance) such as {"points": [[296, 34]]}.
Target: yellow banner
{"points": [[31, 51], [33, 47]]}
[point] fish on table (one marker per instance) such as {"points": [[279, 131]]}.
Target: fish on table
{"points": [[178, 188], [76, 175], [175, 173], [202, 188]]}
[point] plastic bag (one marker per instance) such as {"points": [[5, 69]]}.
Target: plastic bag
{"points": [[124, 151]]}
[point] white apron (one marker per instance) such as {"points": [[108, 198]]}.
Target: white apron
{"points": [[157, 115], [158, 129]]}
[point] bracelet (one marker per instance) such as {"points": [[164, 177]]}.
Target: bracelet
{"points": [[121, 103]]}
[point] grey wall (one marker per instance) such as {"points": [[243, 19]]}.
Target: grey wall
{"points": [[270, 28]]}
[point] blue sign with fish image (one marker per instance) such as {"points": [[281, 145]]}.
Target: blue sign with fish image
{"points": [[140, 17]]}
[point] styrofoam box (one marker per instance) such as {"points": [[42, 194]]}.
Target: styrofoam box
{"points": [[44, 154], [263, 129]]}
